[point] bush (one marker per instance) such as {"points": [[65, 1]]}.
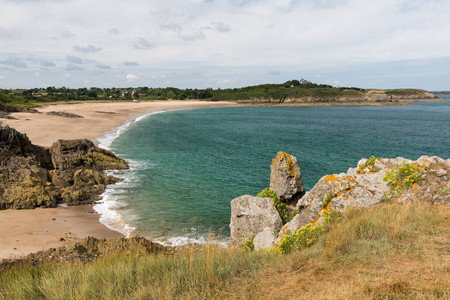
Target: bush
{"points": [[279, 205]]}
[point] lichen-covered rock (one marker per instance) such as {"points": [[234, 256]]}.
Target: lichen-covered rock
{"points": [[286, 178], [251, 215], [358, 187], [265, 239], [70, 172]]}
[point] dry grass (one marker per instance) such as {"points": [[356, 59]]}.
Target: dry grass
{"points": [[385, 252]]}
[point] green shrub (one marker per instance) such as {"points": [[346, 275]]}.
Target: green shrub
{"points": [[307, 235], [279, 205], [247, 243], [403, 178], [371, 164]]}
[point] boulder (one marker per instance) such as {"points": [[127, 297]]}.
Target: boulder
{"points": [[286, 178], [251, 215], [70, 172], [71, 154], [265, 239]]}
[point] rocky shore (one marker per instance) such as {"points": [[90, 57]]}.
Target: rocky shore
{"points": [[86, 250], [370, 97], [373, 181], [70, 172]]}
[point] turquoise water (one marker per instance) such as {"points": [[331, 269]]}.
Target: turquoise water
{"points": [[189, 164]]}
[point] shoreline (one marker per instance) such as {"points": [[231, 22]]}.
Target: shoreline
{"points": [[335, 103], [27, 231]]}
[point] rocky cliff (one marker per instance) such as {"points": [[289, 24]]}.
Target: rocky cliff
{"points": [[370, 96], [69, 172], [373, 181]]}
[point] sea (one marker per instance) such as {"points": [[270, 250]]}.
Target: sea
{"points": [[187, 165]]}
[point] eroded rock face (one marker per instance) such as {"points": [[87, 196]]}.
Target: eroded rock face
{"points": [[286, 178], [70, 172], [251, 215]]}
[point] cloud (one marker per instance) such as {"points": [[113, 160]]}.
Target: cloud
{"points": [[132, 77], [87, 49], [143, 44], [103, 67], [7, 34], [72, 67], [171, 26], [2, 77], [113, 31], [187, 35], [67, 34], [46, 63], [219, 27], [191, 35], [293, 37], [75, 59], [14, 61], [78, 60], [130, 64]]}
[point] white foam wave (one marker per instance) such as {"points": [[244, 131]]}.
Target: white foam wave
{"points": [[184, 240], [108, 207], [110, 217], [106, 140]]}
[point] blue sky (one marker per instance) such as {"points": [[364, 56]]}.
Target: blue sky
{"points": [[227, 43]]}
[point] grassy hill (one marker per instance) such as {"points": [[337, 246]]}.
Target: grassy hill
{"points": [[384, 252]]}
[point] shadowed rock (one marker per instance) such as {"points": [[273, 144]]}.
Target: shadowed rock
{"points": [[70, 172], [251, 215]]}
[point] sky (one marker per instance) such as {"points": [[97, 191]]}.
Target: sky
{"points": [[224, 44]]}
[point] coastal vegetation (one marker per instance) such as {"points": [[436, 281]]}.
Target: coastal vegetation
{"points": [[292, 89], [383, 252]]}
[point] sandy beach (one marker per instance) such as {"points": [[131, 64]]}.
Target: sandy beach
{"points": [[27, 231]]}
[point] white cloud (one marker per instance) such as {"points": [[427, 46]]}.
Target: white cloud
{"points": [[266, 40], [130, 64], [72, 67], [14, 62], [132, 78], [143, 44], [87, 49]]}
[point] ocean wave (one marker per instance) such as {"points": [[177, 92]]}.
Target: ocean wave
{"points": [[108, 207], [178, 241], [110, 217], [106, 140]]}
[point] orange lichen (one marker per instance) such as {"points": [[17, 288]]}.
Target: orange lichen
{"points": [[331, 178]]}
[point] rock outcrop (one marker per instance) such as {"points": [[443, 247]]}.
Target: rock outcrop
{"points": [[251, 215], [70, 172], [366, 185], [87, 250], [259, 216], [64, 114], [286, 178]]}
